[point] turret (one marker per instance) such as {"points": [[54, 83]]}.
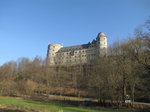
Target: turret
{"points": [[102, 44], [51, 53]]}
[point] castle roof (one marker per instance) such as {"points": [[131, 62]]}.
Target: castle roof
{"points": [[101, 34], [72, 48]]}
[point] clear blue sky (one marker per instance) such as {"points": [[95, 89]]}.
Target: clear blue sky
{"points": [[27, 26]]}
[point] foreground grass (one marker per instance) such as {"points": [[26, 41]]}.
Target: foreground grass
{"points": [[45, 107]]}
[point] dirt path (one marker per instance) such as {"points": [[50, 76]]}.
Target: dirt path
{"points": [[7, 109]]}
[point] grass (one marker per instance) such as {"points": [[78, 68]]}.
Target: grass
{"points": [[46, 107]]}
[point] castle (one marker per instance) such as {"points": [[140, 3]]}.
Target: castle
{"points": [[59, 55]]}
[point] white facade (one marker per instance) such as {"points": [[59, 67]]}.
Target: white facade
{"points": [[59, 55]]}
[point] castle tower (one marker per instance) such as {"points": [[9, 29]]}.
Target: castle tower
{"points": [[51, 53], [102, 44]]}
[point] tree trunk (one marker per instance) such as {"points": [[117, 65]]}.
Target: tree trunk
{"points": [[124, 88], [133, 90]]}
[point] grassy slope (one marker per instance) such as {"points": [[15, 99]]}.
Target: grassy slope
{"points": [[46, 107]]}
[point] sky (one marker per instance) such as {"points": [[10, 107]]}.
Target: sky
{"points": [[27, 26]]}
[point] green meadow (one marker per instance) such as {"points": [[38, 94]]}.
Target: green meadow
{"points": [[18, 103]]}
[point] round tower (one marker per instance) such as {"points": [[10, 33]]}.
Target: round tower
{"points": [[51, 53], [102, 44]]}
